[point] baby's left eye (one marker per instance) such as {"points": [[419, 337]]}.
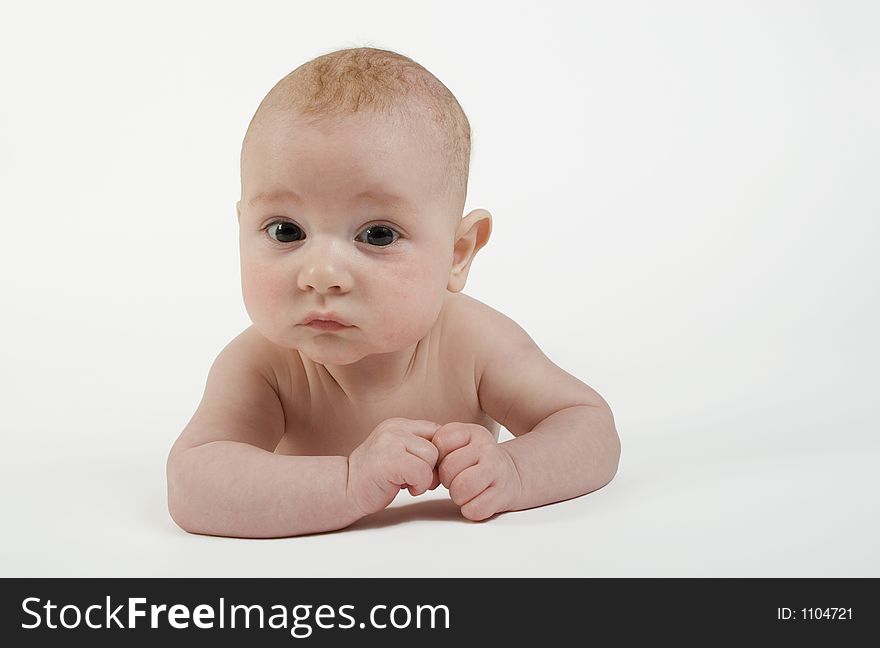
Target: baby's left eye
{"points": [[378, 235]]}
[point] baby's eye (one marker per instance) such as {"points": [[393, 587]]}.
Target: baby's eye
{"points": [[285, 232], [379, 235]]}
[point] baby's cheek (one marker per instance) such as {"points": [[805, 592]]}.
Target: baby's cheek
{"points": [[262, 291], [411, 302]]}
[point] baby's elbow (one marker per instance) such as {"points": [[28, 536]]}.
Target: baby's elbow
{"points": [[177, 499], [184, 518], [176, 509], [609, 463], [613, 465], [180, 518]]}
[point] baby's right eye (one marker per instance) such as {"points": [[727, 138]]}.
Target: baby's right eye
{"points": [[285, 232]]}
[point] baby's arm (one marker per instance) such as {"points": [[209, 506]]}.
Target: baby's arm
{"points": [[229, 488], [224, 478], [565, 441]]}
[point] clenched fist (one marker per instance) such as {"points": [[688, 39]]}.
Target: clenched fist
{"points": [[398, 453], [480, 474]]}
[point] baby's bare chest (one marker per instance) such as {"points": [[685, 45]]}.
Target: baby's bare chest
{"points": [[333, 424]]}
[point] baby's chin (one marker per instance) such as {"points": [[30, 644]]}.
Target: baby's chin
{"points": [[326, 350], [333, 357], [334, 352], [342, 347]]}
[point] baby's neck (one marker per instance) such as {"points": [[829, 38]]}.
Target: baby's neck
{"points": [[374, 377]]}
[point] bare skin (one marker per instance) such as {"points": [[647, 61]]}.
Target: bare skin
{"points": [[303, 430]]}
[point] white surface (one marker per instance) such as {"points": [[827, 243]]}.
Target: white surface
{"points": [[686, 218]]}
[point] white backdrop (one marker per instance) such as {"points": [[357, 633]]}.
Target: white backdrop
{"points": [[686, 217]]}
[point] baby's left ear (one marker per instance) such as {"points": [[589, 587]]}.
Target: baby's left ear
{"points": [[472, 234]]}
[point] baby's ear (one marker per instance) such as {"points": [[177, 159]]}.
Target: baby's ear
{"points": [[238, 210], [473, 233]]}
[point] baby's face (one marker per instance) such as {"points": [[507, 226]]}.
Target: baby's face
{"points": [[344, 217]]}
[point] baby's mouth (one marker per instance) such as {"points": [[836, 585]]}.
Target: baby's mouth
{"points": [[325, 321], [326, 325]]}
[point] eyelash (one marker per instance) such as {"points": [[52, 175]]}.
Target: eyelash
{"points": [[377, 224]]}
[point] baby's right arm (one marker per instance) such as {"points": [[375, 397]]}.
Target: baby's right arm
{"points": [[224, 478]]}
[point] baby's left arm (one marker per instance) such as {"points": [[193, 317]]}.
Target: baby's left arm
{"points": [[565, 441]]}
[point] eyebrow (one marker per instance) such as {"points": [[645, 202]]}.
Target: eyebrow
{"points": [[375, 195]]}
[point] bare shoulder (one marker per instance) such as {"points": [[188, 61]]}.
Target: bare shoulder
{"points": [[466, 308], [241, 400], [274, 362], [284, 368], [477, 326], [517, 384]]}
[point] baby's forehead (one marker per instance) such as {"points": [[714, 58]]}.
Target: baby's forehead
{"points": [[350, 171], [402, 148], [387, 124], [393, 146]]}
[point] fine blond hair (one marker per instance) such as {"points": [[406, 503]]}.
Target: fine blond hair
{"points": [[347, 81]]}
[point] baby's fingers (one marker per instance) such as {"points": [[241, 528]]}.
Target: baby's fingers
{"points": [[423, 449], [415, 473], [419, 427], [470, 483], [450, 467], [453, 436], [484, 505]]}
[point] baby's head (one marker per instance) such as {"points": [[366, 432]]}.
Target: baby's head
{"points": [[354, 174]]}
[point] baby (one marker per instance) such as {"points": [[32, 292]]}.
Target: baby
{"points": [[366, 369]]}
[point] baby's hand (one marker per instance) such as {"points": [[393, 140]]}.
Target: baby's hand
{"points": [[397, 453], [479, 473]]}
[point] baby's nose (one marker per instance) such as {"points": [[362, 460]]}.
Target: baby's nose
{"points": [[324, 270], [322, 280]]}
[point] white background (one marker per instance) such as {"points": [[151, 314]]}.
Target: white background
{"points": [[686, 217]]}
